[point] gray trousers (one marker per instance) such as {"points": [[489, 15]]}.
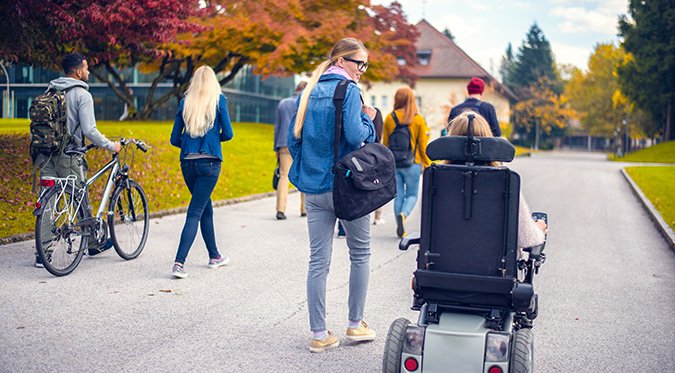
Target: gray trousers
{"points": [[321, 226]]}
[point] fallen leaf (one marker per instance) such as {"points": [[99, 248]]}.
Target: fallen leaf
{"points": [[21, 327], [42, 282], [165, 291]]}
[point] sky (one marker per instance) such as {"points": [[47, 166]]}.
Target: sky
{"points": [[483, 29]]}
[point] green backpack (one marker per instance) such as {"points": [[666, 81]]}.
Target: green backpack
{"points": [[48, 127]]}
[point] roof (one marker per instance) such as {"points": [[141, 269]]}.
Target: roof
{"points": [[450, 61]]}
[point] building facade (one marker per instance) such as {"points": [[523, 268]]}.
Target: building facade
{"points": [[249, 97], [444, 70]]}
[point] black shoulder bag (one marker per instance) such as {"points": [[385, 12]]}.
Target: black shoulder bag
{"points": [[364, 179]]}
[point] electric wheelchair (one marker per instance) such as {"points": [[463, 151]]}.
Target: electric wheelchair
{"points": [[475, 296]]}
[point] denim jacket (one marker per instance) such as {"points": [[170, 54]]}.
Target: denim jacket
{"points": [[209, 143], [313, 153]]}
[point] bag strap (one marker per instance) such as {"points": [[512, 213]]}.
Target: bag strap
{"points": [[338, 102], [393, 115]]}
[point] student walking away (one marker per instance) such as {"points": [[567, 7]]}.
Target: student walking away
{"points": [[474, 102], [202, 123], [311, 144], [80, 123], [530, 232], [285, 112], [406, 134]]}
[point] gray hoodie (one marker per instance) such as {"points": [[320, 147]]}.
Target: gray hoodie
{"points": [[80, 107]]}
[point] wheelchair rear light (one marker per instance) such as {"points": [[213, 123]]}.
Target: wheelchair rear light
{"points": [[47, 183], [496, 348], [495, 369], [411, 364], [38, 204], [414, 340]]}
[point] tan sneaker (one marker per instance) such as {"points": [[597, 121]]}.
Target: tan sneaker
{"points": [[319, 345], [361, 334]]}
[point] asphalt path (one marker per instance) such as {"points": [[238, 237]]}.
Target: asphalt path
{"points": [[607, 290]]}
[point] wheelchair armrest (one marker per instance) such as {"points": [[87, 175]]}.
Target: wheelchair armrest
{"points": [[535, 251], [411, 239]]}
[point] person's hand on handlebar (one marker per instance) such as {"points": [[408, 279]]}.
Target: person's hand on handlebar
{"points": [[542, 225], [118, 147]]}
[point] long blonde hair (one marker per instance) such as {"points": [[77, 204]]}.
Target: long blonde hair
{"points": [[201, 102], [346, 47], [480, 127], [404, 100]]}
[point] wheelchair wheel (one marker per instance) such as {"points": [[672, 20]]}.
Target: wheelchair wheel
{"points": [[129, 223], [522, 351], [393, 347]]}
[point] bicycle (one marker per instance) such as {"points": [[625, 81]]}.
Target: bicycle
{"points": [[64, 223]]}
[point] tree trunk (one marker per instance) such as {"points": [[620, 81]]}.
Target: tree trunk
{"points": [[669, 132], [536, 135]]}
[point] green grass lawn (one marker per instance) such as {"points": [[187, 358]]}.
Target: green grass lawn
{"points": [[656, 183], [248, 164], [661, 153]]}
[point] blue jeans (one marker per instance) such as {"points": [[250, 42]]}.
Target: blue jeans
{"points": [[201, 176], [407, 186], [321, 225]]}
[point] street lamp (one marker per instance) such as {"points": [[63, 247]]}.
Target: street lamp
{"points": [[6, 75]]}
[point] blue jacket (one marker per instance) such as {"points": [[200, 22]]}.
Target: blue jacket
{"points": [[209, 143], [313, 153]]}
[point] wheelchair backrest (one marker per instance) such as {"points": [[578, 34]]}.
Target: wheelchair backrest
{"points": [[469, 212]]}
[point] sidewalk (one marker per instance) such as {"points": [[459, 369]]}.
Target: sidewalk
{"points": [[248, 316]]}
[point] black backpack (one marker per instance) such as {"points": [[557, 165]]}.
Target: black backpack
{"points": [[364, 179], [400, 144]]}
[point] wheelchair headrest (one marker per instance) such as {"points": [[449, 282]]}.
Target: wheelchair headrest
{"points": [[471, 149]]}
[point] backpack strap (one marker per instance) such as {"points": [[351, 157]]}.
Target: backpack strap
{"points": [[478, 102], [338, 102]]}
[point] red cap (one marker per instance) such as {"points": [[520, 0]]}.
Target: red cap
{"points": [[476, 85]]}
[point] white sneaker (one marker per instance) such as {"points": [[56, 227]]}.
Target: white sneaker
{"points": [[378, 222]]}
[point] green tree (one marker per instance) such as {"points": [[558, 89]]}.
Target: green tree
{"points": [[648, 76], [449, 34], [534, 62], [506, 66]]}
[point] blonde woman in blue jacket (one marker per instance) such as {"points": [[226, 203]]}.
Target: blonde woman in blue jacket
{"points": [[201, 124], [310, 141]]}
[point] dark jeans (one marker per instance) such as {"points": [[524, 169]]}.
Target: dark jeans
{"points": [[201, 176]]}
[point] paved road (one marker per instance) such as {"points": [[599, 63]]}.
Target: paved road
{"points": [[607, 291]]}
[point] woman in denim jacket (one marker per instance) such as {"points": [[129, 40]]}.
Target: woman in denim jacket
{"points": [[201, 124], [310, 141]]}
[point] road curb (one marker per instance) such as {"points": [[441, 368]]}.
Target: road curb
{"points": [[158, 214], [664, 228]]}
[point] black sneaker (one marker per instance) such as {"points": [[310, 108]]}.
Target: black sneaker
{"points": [[281, 215], [108, 244], [400, 225], [38, 262]]}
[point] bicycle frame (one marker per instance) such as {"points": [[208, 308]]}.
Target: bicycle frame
{"points": [[114, 164]]}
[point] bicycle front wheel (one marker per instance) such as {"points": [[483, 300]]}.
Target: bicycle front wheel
{"points": [[60, 236], [128, 220]]}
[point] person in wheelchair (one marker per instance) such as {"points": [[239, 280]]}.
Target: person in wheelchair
{"points": [[530, 232], [479, 249]]}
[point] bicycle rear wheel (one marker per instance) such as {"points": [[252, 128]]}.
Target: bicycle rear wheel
{"points": [[60, 236], [128, 220]]}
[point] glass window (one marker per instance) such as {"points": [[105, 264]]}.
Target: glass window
{"points": [[373, 101], [384, 101]]}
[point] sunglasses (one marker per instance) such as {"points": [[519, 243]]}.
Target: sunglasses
{"points": [[361, 65]]}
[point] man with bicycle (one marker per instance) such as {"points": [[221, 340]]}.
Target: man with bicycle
{"points": [[81, 124]]}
